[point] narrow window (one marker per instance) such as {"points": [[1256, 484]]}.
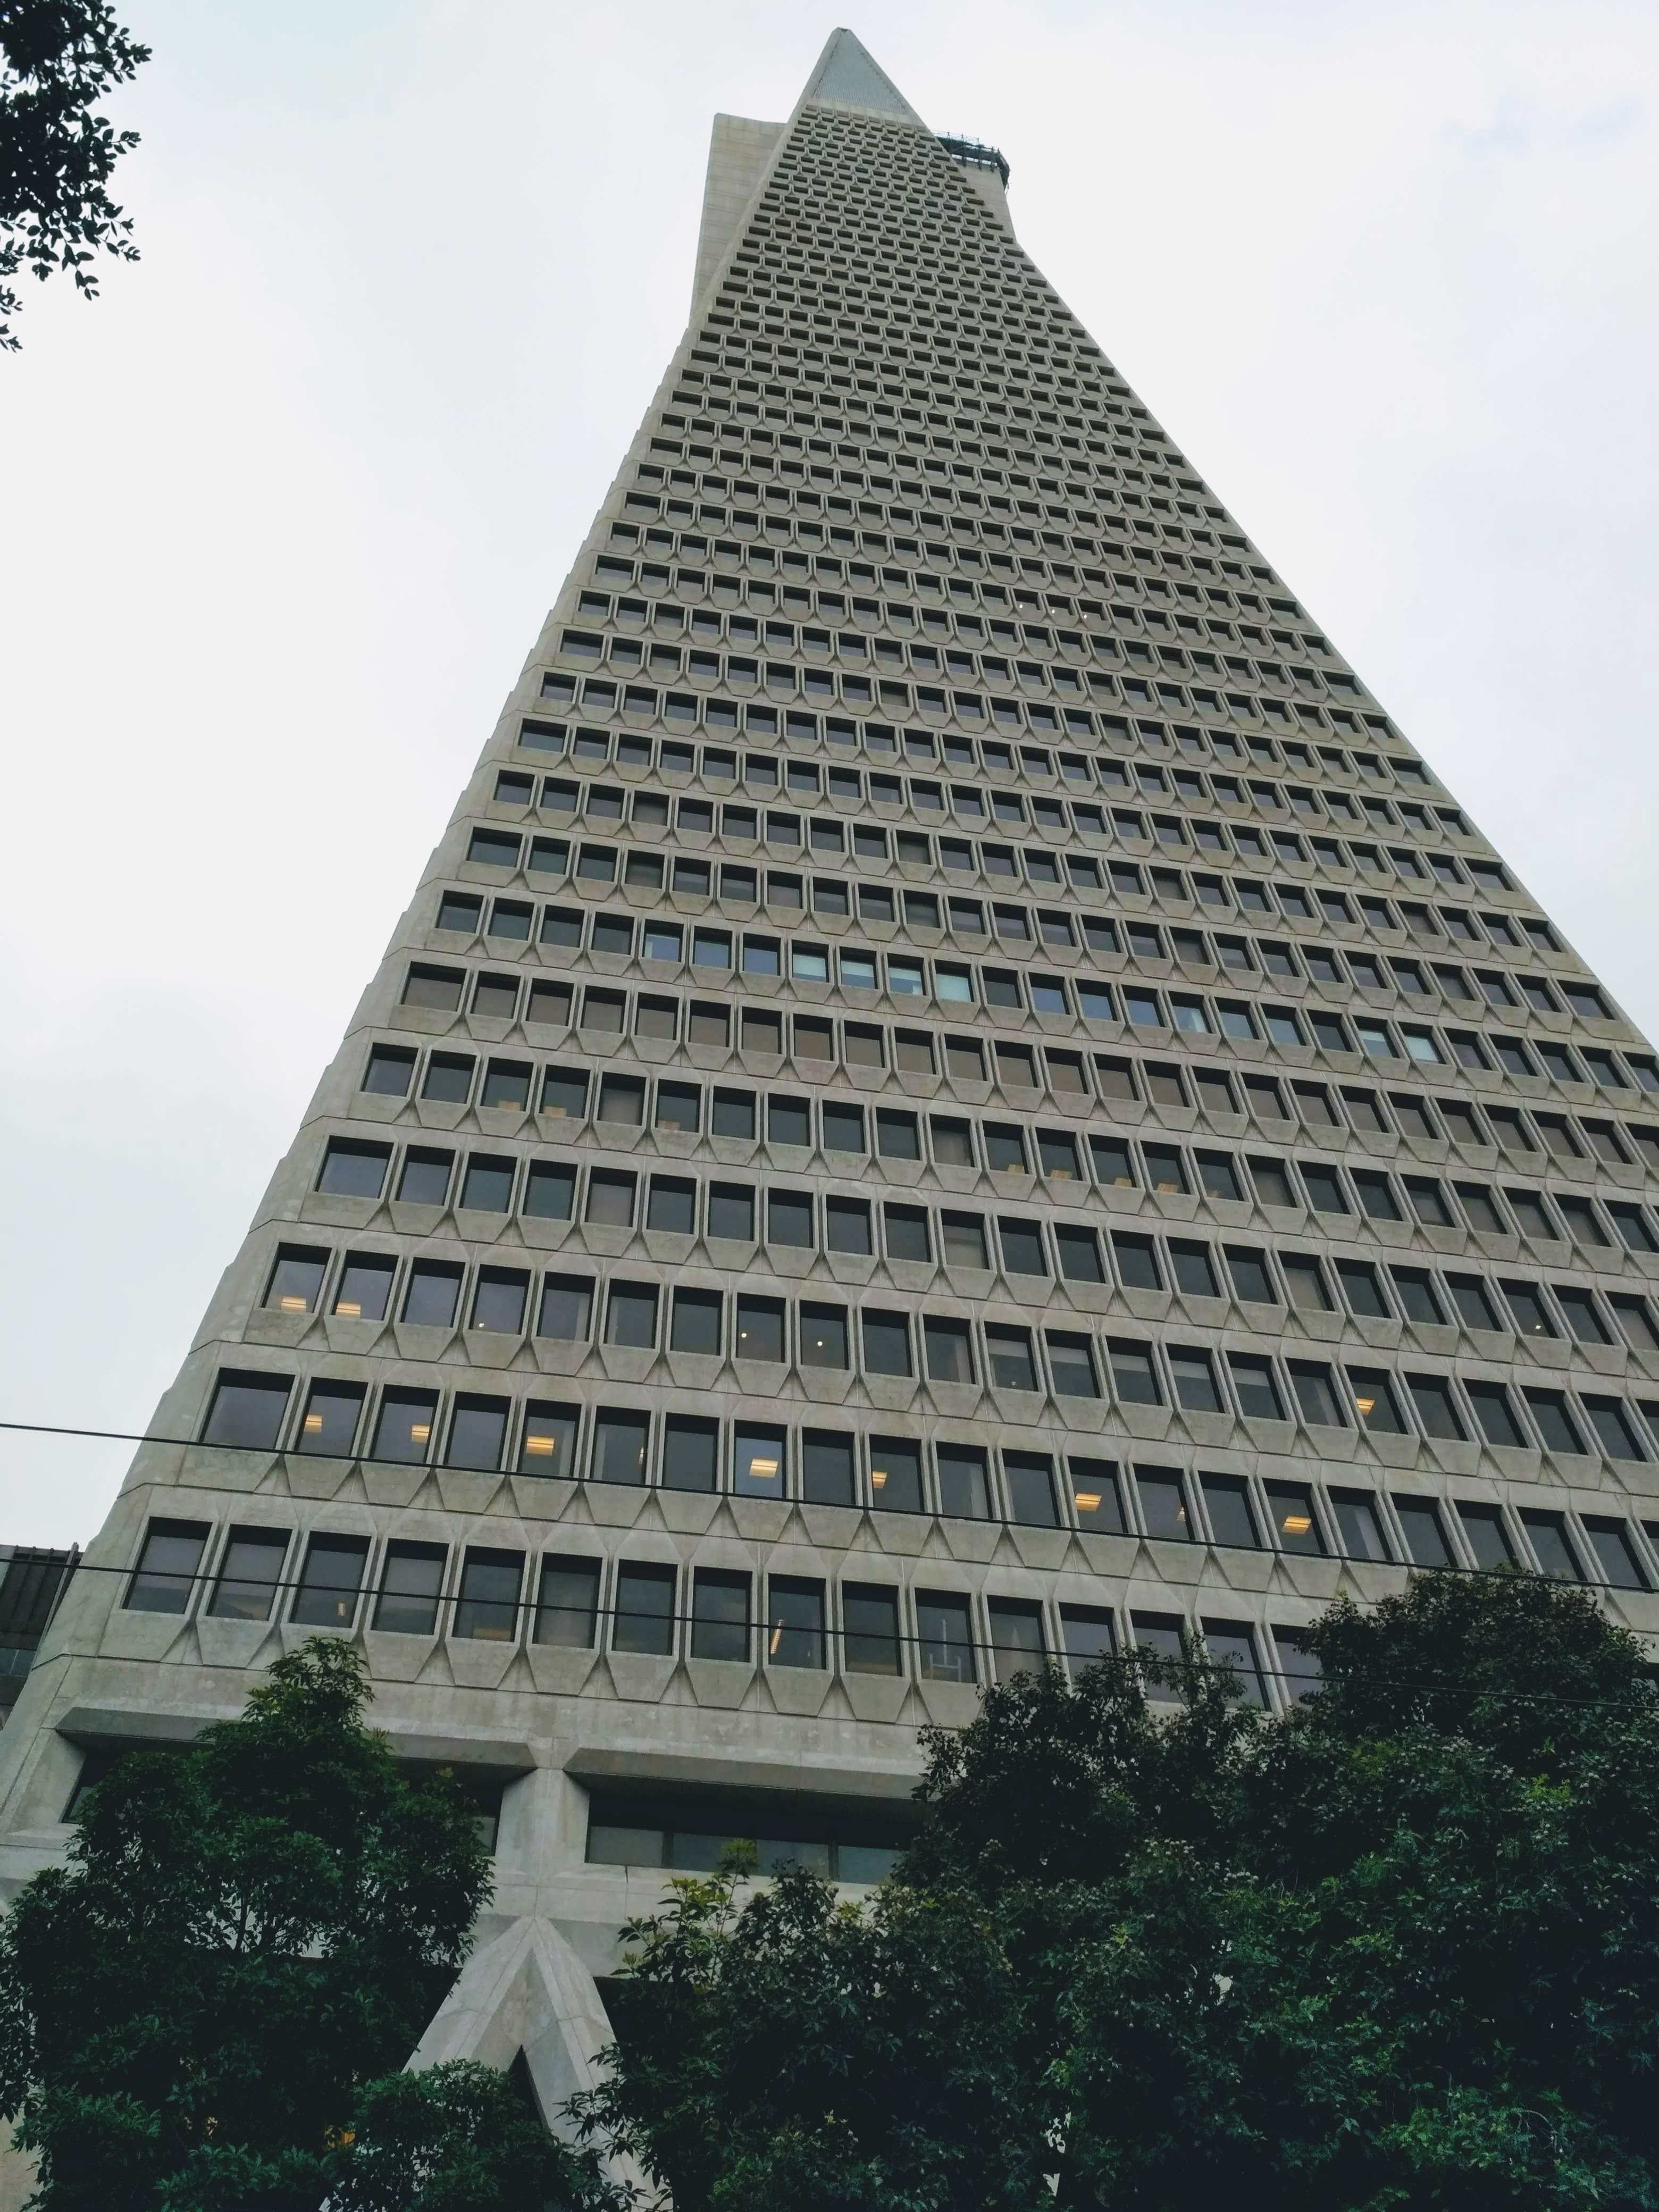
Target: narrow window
{"points": [[896, 1475], [870, 1629], [1016, 1637], [248, 1574], [794, 1622], [944, 1640], [719, 1615], [247, 1410], [619, 1446], [645, 1609], [167, 1567], [487, 1609], [567, 1603], [411, 1580], [329, 1582], [548, 1447]]}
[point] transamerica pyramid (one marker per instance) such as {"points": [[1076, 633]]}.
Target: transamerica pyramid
{"points": [[954, 1092]]}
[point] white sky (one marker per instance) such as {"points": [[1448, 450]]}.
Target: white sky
{"points": [[280, 516]]}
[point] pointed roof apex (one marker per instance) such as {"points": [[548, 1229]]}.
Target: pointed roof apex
{"points": [[846, 74]]}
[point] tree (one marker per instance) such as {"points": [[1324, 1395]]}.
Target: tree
{"points": [[198, 2010], [1398, 1948], [57, 57]]}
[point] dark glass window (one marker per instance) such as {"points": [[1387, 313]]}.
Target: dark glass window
{"points": [[826, 1468], [1016, 1637], [404, 1431], [329, 1420], [1436, 1411], [168, 1566], [694, 1323], [630, 1319], [896, 1475], [719, 1615], [757, 1461], [249, 1573], [329, 1582], [365, 1287], [567, 1603], [1488, 1539], [487, 1609], [619, 1446], [498, 1303], [759, 1329], [296, 1280], [732, 1211], [944, 1638], [550, 1192], [411, 1580], [1232, 1517], [1164, 1503], [824, 1336], [645, 1609], [1494, 1413], [548, 1445], [567, 1309], [963, 1493], [1553, 1548], [886, 1343], [870, 1621], [248, 1409], [1425, 1540], [689, 1449], [435, 1285], [794, 1622], [353, 1169], [425, 1178], [1296, 1525], [478, 1432], [1359, 1526]]}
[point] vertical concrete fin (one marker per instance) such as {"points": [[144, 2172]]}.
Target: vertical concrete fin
{"points": [[739, 152]]}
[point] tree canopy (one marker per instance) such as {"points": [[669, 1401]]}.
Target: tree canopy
{"points": [[206, 2007], [57, 58], [1399, 1948]]}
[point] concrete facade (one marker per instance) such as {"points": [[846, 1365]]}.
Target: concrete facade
{"points": [[952, 1088]]}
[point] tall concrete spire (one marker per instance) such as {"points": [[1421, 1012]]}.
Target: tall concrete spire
{"points": [[848, 75]]}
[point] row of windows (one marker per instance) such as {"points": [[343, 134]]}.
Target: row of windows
{"points": [[1042, 627], [833, 898], [601, 695], [570, 1602], [435, 1290], [358, 1167], [660, 937], [827, 837], [803, 475], [767, 1030], [507, 1085], [767, 773], [1157, 565], [797, 516], [1165, 1505], [252, 1410], [962, 660]]}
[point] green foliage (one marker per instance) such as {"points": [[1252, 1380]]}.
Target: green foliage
{"points": [[57, 57], [456, 2139], [195, 2011], [1398, 1949]]}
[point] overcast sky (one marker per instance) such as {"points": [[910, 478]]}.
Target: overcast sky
{"points": [[280, 516]]}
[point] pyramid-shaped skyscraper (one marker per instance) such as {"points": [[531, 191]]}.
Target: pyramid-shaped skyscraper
{"points": [[954, 1091]]}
